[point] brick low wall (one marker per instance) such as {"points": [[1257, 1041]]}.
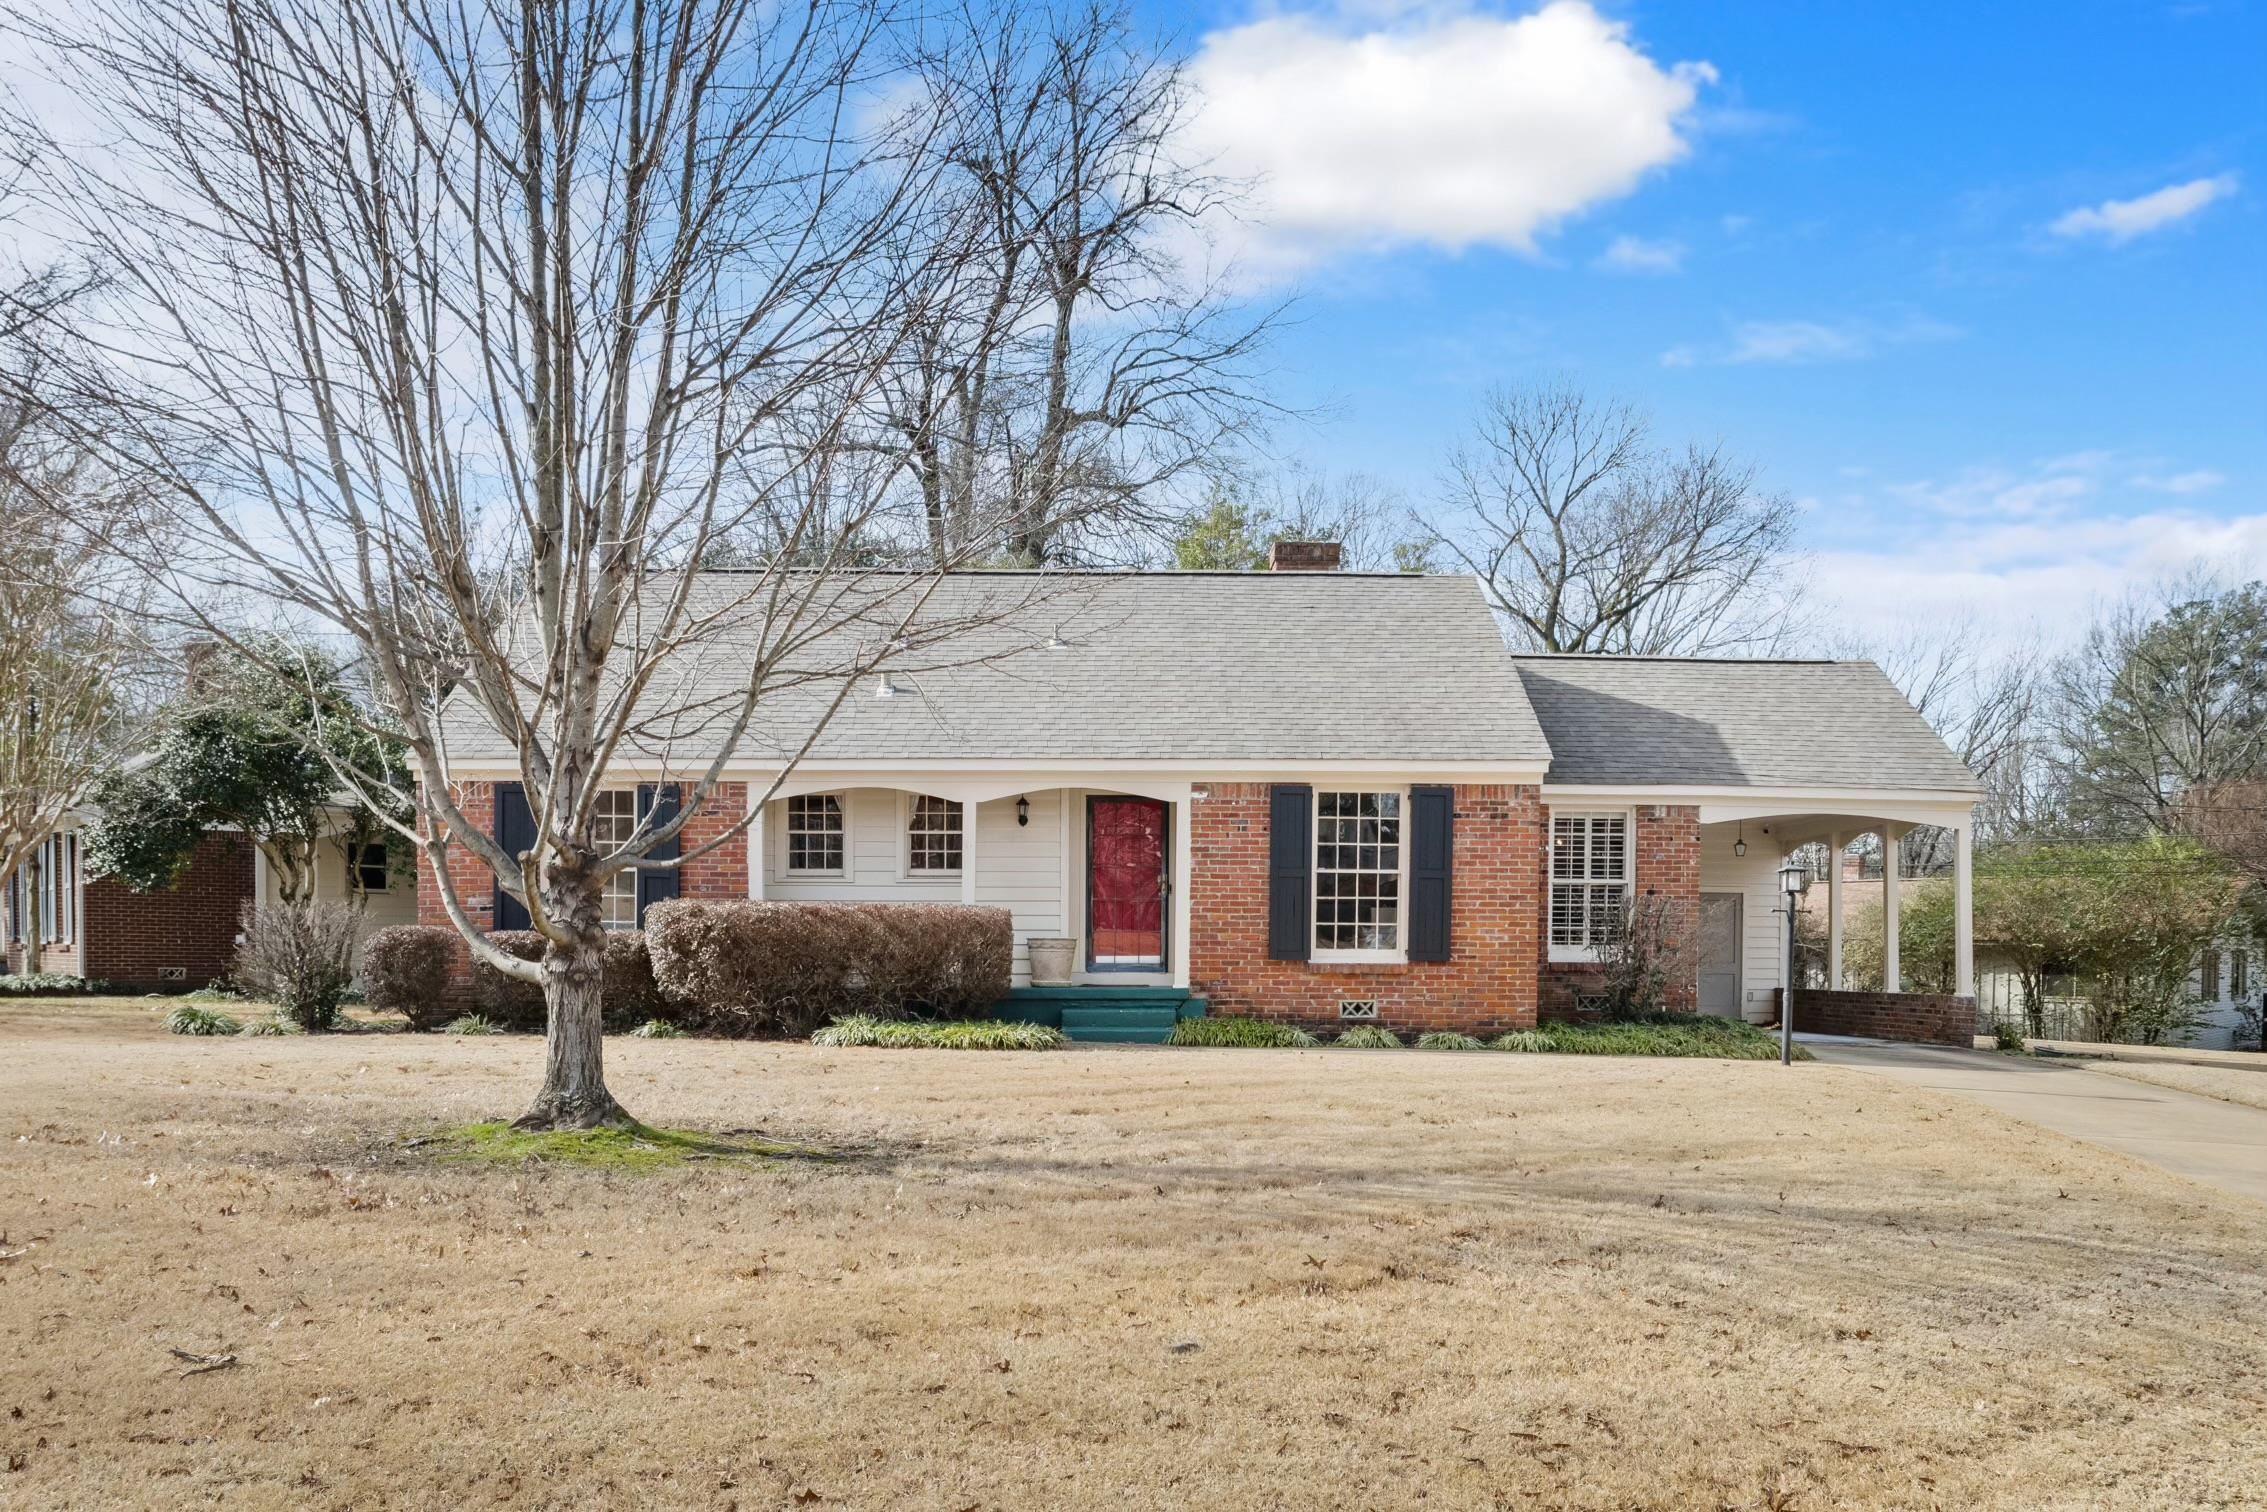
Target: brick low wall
{"points": [[1920, 1018]]}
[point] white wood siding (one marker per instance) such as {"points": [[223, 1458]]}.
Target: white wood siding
{"points": [[1018, 867], [1755, 877]]}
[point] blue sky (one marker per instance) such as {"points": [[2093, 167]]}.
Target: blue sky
{"points": [[1983, 287]]}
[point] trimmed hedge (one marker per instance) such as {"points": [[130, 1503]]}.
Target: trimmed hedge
{"points": [[631, 996], [785, 968], [405, 970]]}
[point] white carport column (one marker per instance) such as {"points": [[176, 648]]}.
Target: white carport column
{"points": [[756, 851], [1834, 845], [1892, 862], [1963, 910]]}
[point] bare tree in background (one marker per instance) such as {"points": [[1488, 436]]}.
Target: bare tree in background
{"points": [[1985, 702], [486, 323], [1067, 368], [73, 648], [1245, 514], [1590, 538]]}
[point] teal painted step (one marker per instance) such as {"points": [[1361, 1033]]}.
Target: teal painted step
{"points": [[1104, 1015]]}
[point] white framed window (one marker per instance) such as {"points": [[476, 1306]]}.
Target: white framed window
{"points": [[1361, 875], [367, 868], [813, 836], [2239, 975], [2209, 973], [932, 836], [612, 824], [1589, 882]]}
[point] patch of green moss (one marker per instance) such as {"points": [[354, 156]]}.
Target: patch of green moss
{"points": [[639, 1147]]}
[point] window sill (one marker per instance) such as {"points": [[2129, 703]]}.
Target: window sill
{"points": [[1574, 955], [1358, 958]]}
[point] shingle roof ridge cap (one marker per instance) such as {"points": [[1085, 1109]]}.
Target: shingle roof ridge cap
{"points": [[1105, 572], [1700, 661]]}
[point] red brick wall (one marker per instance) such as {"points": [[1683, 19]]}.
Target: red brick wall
{"points": [[1665, 854], [130, 937], [1920, 1018], [1495, 926], [722, 873]]}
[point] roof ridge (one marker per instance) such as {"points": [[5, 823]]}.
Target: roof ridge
{"points": [[1706, 661]]}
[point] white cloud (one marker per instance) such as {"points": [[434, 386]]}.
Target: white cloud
{"points": [[2034, 577], [1808, 341], [1440, 127], [1633, 254], [2201, 480], [2120, 221]]}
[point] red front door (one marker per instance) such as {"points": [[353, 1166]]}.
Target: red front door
{"points": [[1125, 883]]}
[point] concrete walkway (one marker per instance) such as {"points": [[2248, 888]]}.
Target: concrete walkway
{"points": [[2222, 1143]]}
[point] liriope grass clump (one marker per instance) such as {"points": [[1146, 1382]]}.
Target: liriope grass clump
{"points": [[1369, 1037], [657, 1029], [859, 1030], [1689, 1035], [471, 1023], [190, 1019], [1241, 1034], [1447, 1039]]}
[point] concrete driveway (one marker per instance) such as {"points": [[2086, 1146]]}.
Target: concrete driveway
{"points": [[2222, 1143]]}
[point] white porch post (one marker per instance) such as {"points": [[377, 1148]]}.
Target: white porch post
{"points": [[1183, 860], [970, 823], [1892, 861], [756, 852], [1963, 911], [1834, 845]]}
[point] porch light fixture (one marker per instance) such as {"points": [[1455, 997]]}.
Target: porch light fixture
{"points": [[1792, 878], [1022, 812], [1739, 845]]}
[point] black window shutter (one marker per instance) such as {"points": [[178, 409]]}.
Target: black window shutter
{"points": [[1290, 872], [1432, 845], [658, 804], [515, 832]]}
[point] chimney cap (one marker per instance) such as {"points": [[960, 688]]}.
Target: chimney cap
{"points": [[1304, 556]]}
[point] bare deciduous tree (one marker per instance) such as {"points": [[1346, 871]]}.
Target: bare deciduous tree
{"points": [[71, 648], [1068, 366], [1590, 538], [488, 323]]}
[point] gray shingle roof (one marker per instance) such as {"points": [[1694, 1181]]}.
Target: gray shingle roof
{"points": [[1219, 667], [1664, 720]]}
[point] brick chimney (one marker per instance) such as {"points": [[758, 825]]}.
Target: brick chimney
{"points": [[1304, 556]]}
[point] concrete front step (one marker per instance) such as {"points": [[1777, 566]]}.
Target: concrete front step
{"points": [[1107, 1015]]}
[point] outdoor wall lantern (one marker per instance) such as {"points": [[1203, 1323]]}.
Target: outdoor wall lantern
{"points": [[1022, 811], [1739, 845]]}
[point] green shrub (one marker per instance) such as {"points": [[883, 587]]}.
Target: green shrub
{"points": [[1660, 1034], [1447, 1039], [861, 1029], [628, 993], [217, 992], [1369, 1037], [471, 1023], [783, 968], [405, 970], [49, 984], [1242, 1034], [2006, 1036], [657, 1029], [189, 1019]]}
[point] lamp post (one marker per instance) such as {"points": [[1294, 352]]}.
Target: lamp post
{"points": [[1792, 878]]}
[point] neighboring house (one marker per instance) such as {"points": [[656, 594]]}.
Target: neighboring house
{"points": [[58, 919], [2222, 979], [1311, 796]]}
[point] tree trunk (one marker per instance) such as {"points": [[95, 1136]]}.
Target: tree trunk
{"points": [[574, 1092]]}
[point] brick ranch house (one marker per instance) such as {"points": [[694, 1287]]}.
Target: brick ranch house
{"points": [[1309, 796]]}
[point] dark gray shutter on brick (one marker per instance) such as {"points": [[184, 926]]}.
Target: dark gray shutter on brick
{"points": [[1290, 872], [657, 804], [515, 832], [1432, 845]]}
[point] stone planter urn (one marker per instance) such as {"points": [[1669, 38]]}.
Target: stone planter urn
{"points": [[1052, 961]]}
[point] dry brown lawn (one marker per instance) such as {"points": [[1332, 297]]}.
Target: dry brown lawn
{"points": [[1196, 1278]]}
